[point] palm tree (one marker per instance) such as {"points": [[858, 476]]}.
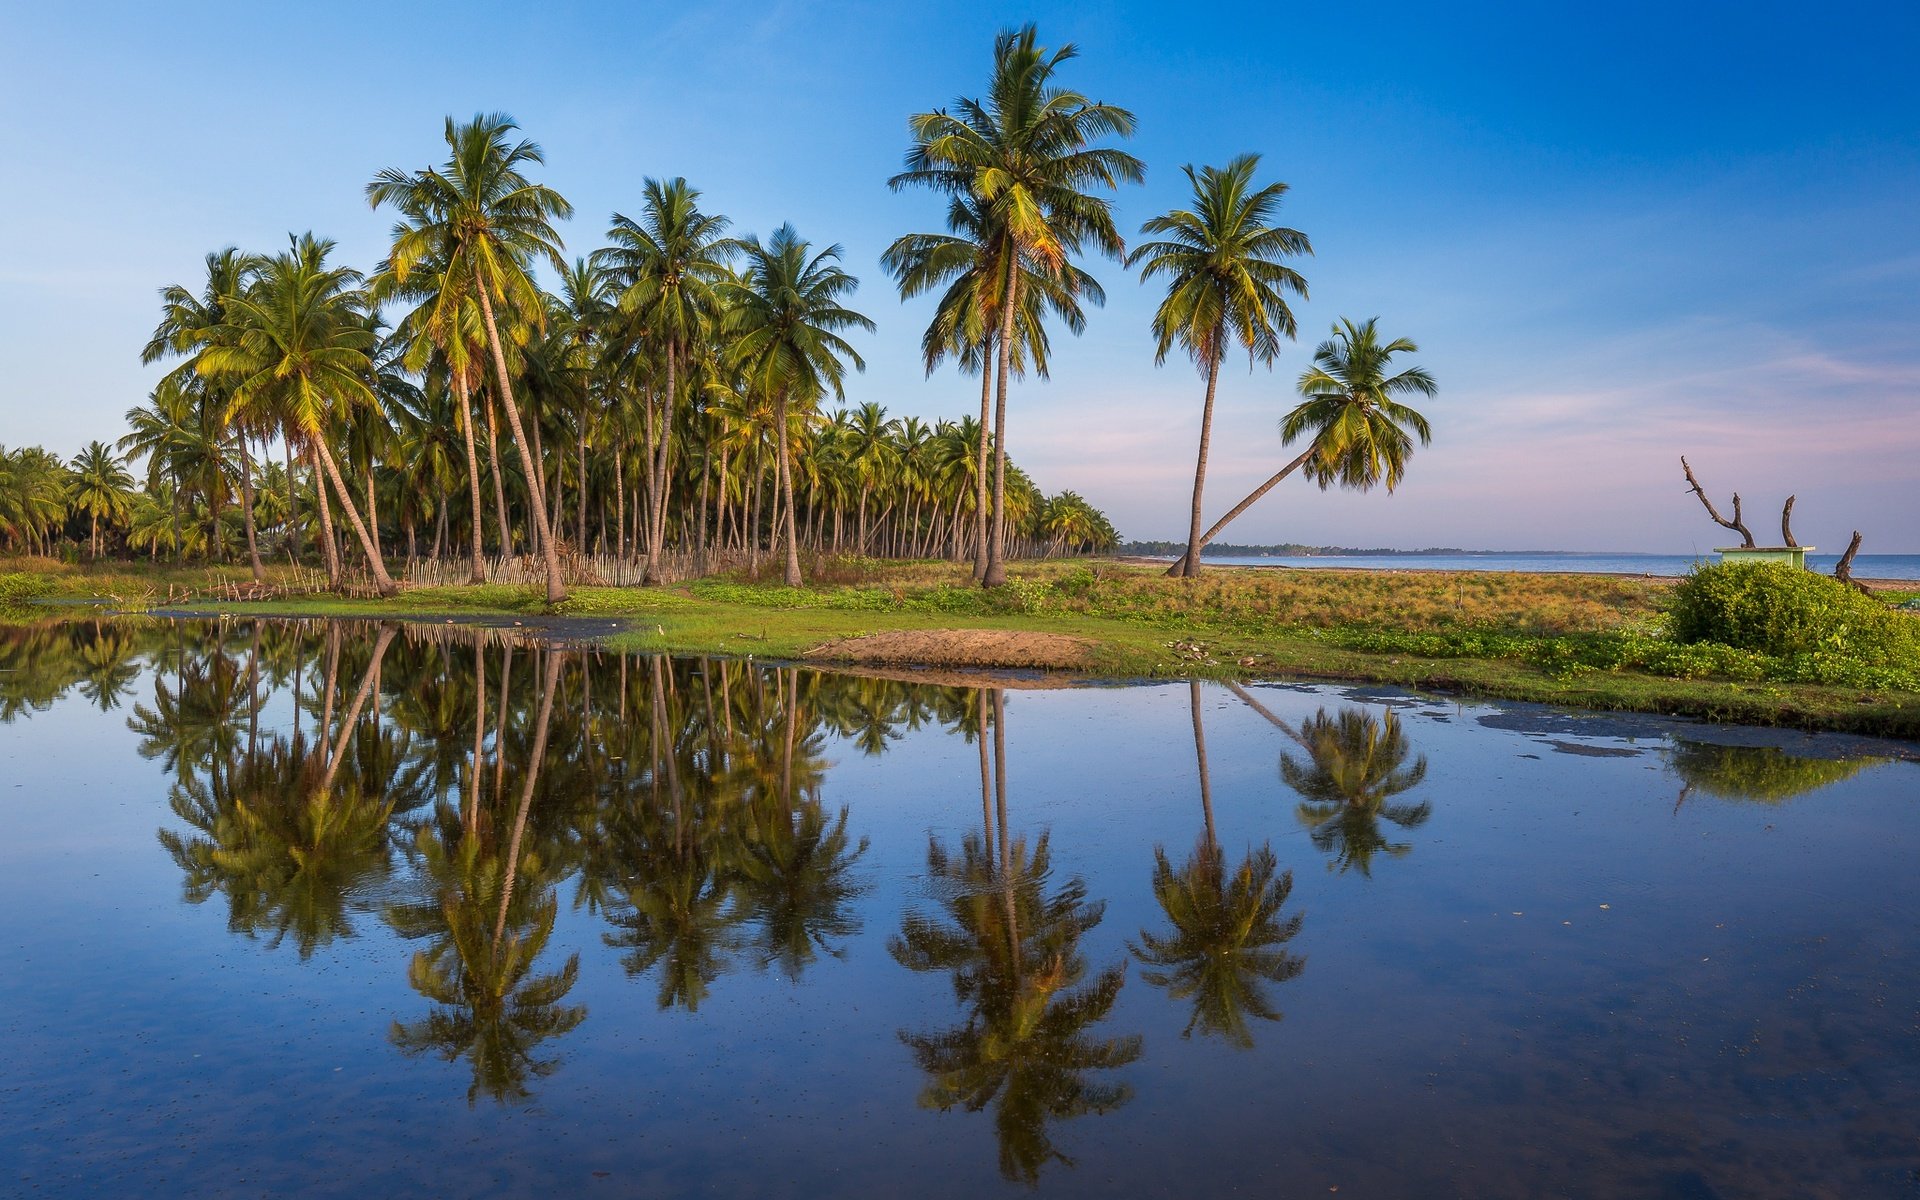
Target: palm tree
{"points": [[484, 221], [189, 324], [1355, 764], [162, 432], [965, 262], [33, 495], [667, 268], [1027, 155], [1362, 434], [1027, 1047], [298, 351], [1227, 941], [444, 330], [98, 485], [1226, 285], [786, 319]]}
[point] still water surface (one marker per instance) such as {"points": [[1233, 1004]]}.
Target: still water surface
{"points": [[327, 909]]}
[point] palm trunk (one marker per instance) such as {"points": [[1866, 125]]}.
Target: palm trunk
{"points": [[499, 480], [786, 493], [373, 508], [367, 683], [329, 549], [700, 533], [996, 574], [526, 792], [246, 499], [580, 478], [657, 525], [293, 509], [556, 591], [1179, 567], [470, 809], [1192, 557], [478, 572], [619, 504], [1200, 753], [980, 472], [381, 582]]}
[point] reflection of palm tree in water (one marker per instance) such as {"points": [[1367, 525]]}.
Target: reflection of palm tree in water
{"points": [[797, 864], [1011, 945], [1227, 938], [290, 837], [1355, 764], [489, 915]]}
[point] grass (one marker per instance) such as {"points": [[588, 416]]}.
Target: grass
{"points": [[1581, 640]]}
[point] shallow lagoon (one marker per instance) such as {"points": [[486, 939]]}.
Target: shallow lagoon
{"points": [[307, 908]]}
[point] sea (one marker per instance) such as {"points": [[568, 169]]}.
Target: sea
{"points": [[1865, 566]]}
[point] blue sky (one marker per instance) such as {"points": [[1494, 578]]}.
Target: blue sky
{"points": [[1618, 233]]}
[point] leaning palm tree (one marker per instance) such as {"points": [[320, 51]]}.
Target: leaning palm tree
{"points": [[1027, 154], [786, 319], [99, 485], [1355, 765], [485, 222], [298, 351], [1362, 435], [1226, 287], [443, 332], [666, 268]]}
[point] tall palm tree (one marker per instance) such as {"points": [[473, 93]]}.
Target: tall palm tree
{"points": [[1226, 286], [786, 318], [1227, 941], [667, 267], [1362, 435], [1027, 154], [443, 330], [98, 485], [485, 221], [188, 324], [297, 351]]}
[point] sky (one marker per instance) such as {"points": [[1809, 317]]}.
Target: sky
{"points": [[1618, 232]]}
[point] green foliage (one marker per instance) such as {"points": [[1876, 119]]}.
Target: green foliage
{"points": [[1787, 612], [18, 587]]}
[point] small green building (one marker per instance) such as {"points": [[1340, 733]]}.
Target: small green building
{"points": [[1795, 556]]}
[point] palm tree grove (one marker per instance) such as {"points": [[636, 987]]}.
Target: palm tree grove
{"points": [[659, 602], [487, 403]]}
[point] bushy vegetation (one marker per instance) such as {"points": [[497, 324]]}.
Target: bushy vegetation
{"points": [[18, 587], [1787, 612]]}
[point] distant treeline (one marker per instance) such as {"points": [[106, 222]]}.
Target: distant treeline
{"points": [[1283, 550]]}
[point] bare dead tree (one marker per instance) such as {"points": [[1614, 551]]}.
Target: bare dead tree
{"points": [[1843, 570], [1737, 525], [1786, 524]]}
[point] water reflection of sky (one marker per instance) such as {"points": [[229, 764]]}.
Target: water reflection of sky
{"points": [[1613, 956]]}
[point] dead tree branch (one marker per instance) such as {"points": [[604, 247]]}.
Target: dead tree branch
{"points": [[1737, 525], [1786, 523], [1843, 570]]}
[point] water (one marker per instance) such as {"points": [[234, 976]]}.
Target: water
{"points": [[693, 927], [1865, 566]]}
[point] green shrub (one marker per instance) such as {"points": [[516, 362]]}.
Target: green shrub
{"points": [[1786, 612], [18, 587]]}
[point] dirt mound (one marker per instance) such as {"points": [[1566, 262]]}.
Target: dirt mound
{"points": [[960, 648]]}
